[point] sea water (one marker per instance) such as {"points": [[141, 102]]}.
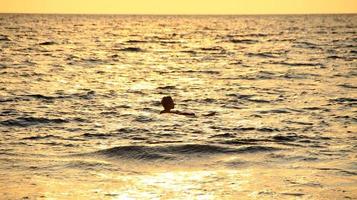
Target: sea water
{"points": [[274, 97]]}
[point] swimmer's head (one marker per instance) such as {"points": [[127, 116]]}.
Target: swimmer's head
{"points": [[168, 103]]}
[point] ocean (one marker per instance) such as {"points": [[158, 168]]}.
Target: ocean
{"points": [[274, 98]]}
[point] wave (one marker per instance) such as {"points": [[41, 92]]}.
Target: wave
{"points": [[259, 100], [30, 121], [344, 100], [174, 152], [256, 149], [268, 129], [278, 111], [244, 129], [240, 129], [298, 122], [131, 49], [214, 48], [136, 41], [143, 119], [290, 75], [157, 40], [244, 41], [11, 99], [46, 43], [335, 57], [39, 137], [168, 87], [223, 135], [253, 35], [298, 64], [306, 45], [189, 51], [201, 71], [40, 96], [133, 152], [86, 95], [286, 138], [89, 165], [8, 112], [290, 139], [345, 85], [241, 96], [262, 55], [92, 60], [95, 135], [5, 38], [129, 130], [248, 97]]}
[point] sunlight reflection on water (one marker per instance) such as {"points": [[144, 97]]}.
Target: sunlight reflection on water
{"points": [[274, 98]]}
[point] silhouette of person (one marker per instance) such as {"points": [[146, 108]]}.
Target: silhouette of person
{"points": [[168, 104]]}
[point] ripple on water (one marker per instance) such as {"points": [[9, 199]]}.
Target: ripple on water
{"points": [[5, 38], [344, 100], [280, 94], [32, 121], [41, 137], [131, 49], [298, 64], [244, 41], [179, 151], [46, 43]]}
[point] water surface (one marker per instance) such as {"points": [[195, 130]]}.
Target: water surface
{"points": [[80, 102]]}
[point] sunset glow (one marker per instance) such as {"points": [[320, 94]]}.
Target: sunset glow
{"points": [[179, 7], [178, 99]]}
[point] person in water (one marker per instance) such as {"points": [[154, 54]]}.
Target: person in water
{"points": [[168, 104]]}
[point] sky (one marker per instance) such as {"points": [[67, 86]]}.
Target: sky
{"points": [[179, 6]]}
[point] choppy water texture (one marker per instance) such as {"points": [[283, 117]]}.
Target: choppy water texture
{"points": [[275, 99]]}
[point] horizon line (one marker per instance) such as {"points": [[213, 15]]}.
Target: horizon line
{"points": [[181, 14]]}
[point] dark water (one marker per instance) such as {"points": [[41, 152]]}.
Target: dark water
{"points": [[275, 99]]}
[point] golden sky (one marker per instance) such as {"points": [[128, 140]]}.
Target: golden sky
{"points": [[179, 6]]}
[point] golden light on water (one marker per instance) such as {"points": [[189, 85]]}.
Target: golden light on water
{"points": [[251, 183], [274, 102], [179, 7]]}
